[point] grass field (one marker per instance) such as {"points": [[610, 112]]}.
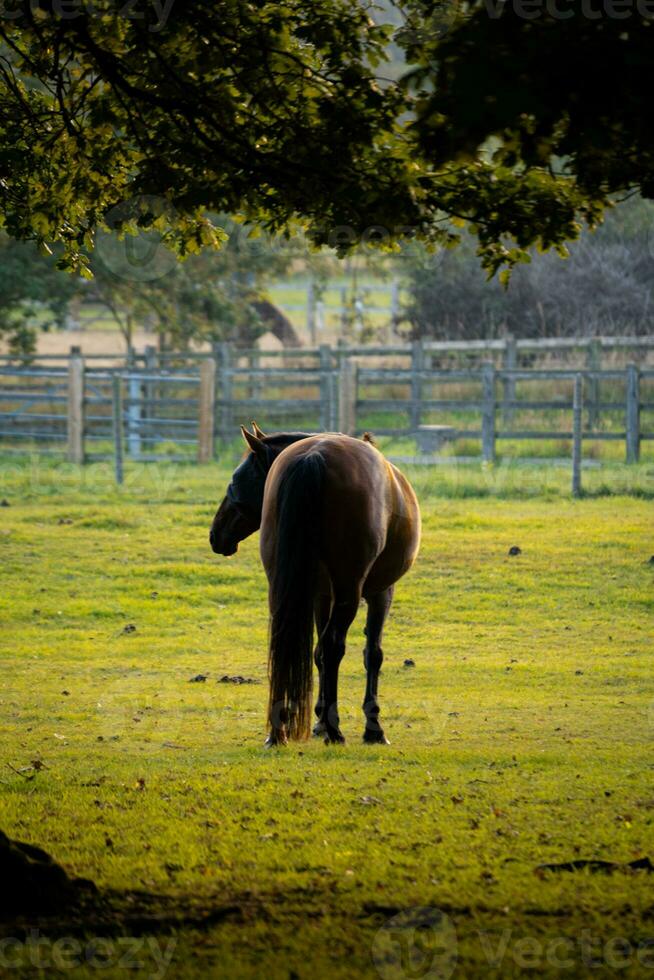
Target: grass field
{"points": [[521, 737]]}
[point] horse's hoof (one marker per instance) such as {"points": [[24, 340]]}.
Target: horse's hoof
{"points": [[272, 742], [319, 729], [375, 738], [334, 738]]}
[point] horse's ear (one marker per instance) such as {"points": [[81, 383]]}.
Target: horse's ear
{"points": [[257, 431], [254, 443]]}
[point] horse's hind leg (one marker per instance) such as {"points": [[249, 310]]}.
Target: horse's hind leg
{"points": [[333, 648], [373, 656], [322, 609]]}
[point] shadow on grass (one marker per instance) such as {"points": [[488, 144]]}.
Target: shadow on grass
{"points": [[638, 493], [128, 913]]}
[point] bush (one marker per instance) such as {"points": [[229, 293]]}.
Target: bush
{"points": [[604, 287]]}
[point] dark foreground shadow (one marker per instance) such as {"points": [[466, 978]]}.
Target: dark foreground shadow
{"points": [[37, 893]]}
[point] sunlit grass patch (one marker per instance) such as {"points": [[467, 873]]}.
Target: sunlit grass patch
{"points": [[520, 736]]}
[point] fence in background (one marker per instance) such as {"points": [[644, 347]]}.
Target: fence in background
{"points": [[589, 353], [149, 407], [353, 303], [94, 414]]}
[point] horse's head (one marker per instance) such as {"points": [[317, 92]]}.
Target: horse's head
{"points": [[239, 515]]}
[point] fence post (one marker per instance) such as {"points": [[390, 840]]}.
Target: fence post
{"points": [[325, 388], [417, 360], [593, 363], [320, 316], [395, 301], [150, 357], [150, 391], [488, 412], [577, 408], [311, 312], [343, 310], [255, 382], [75, 425], [510, 360], [226, 424], [633, 413], [134, 408], [333, 398], [117, 419], [207, 413], [347, 396]]}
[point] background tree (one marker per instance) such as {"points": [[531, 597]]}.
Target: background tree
{"points": [[34, 294], [212, 296], [281, 112], [605, 287]]}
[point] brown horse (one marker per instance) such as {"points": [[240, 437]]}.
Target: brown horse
{"points": [[338, 523]]}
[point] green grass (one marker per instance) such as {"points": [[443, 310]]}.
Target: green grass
{"points": [[522, 736]]}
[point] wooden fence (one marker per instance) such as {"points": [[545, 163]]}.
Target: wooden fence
{"points": [[93, 414], [149, 406]]}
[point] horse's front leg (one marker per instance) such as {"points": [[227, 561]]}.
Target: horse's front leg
{"points": [[333, 649], [373, 657]]}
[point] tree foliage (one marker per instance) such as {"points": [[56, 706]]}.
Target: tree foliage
{"points": [[558, 87], [275, 113], [605, 287], [266, 110], [536, 91], [33, 293], [212, 296]]}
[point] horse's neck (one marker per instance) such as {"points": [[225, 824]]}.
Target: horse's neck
{"points": [[284, 439]]}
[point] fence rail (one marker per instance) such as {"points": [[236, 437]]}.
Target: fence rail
{"points": [[90, 414], [594, 348], [179, 406]]}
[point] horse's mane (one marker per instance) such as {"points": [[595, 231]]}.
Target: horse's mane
{"points": [[287, 438]]}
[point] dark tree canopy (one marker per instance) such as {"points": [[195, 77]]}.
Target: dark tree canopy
{"points": [[268, 110], [562, 85], [518, 126]]}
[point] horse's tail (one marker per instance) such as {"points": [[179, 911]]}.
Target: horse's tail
{"points": [[292, 591]]}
